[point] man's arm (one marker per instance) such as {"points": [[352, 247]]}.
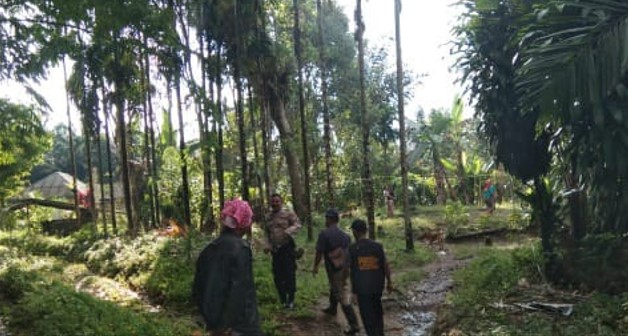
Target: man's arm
{"points": [[387, 272], [389, 284], [295, 225], [317, 261]]}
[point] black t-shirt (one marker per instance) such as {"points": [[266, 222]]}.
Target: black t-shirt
{"points": [[368, 263], [330, 239]]}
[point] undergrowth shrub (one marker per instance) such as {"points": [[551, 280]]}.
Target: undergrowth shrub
{"points": [[122, 257], [493, 278], [487, 278], [70, 248], [14, 282], [54, 309], [172, 273], [597, 262], [456, 217]]}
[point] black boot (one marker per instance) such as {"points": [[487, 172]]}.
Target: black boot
{"points": [[333, 306], [289, 301], [352, 319]]}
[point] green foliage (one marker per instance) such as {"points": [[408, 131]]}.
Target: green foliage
{"points": [[54, 309], [23, 141], [71, 248], [123, 257], [172, 274], [597, 263], [14, 282], [494, 278], [518, 219], [490, 277], [456, 217]]}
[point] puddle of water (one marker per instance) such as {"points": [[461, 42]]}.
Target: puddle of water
{"points": [[3, 329], [417, 323]]}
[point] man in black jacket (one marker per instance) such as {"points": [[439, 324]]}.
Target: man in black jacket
{"points": [[332, 245], [224, 290], [369, 271]]}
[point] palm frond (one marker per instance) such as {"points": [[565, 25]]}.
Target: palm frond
{"points": [[576, 56]]}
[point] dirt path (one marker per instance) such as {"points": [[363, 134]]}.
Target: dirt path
{"points": [[412, 312], [417, 312], [3, 329]]}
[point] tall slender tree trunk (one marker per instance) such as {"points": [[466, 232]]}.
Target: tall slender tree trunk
{"points": [[264, 107], [306, 157], [90, 166], [209, 221], [402, 132], [170, 135], [330, 198], [265, 125], [218, 126], [367, 182], [147, 149], [440, 176], [112, 198], [71, 140], [124, 161], [542, 208], [121, 130], [279, 115], [185, 185], [237, 68], [252, 110], [154, 181], [100, 180]]}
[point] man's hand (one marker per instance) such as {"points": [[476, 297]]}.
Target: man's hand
{"points": [[390, 287], [315, 270]]}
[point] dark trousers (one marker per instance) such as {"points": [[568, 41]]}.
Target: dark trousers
{"points": [[284, 272], [372, 314]]}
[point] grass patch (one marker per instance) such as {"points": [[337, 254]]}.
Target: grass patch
{"points": [[497, 276]]}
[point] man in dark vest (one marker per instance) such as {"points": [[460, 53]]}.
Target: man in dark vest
{"points": [[369, 272]]}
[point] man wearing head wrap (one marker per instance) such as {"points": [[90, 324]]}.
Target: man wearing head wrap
{"points": [[223, 288]]}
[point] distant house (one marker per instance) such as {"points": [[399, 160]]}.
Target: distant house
{"points": [[54, 186]]}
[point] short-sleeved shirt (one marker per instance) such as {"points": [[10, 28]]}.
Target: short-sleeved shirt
{"points": [[330, 239], [368, 265], [280, 226]]}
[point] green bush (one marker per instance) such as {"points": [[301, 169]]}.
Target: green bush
{"points": [[597, 262], [58, 310], [14, 282], [486, 279], [456, 217], [171, 276], [124, 258]]}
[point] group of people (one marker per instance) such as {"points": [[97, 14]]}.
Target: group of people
{"points": [[224, 289]]}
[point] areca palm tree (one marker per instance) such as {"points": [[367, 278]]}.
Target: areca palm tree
{"points": [[541, 71], [402, 133], [367, 182], [582, 44]]}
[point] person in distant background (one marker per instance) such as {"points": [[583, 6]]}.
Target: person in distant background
{"points": [[488, 193], [280, 228], [389, 197], [223, 287], [369, 273]]}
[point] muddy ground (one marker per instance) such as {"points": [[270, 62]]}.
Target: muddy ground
{"points": [[409, 312]]}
